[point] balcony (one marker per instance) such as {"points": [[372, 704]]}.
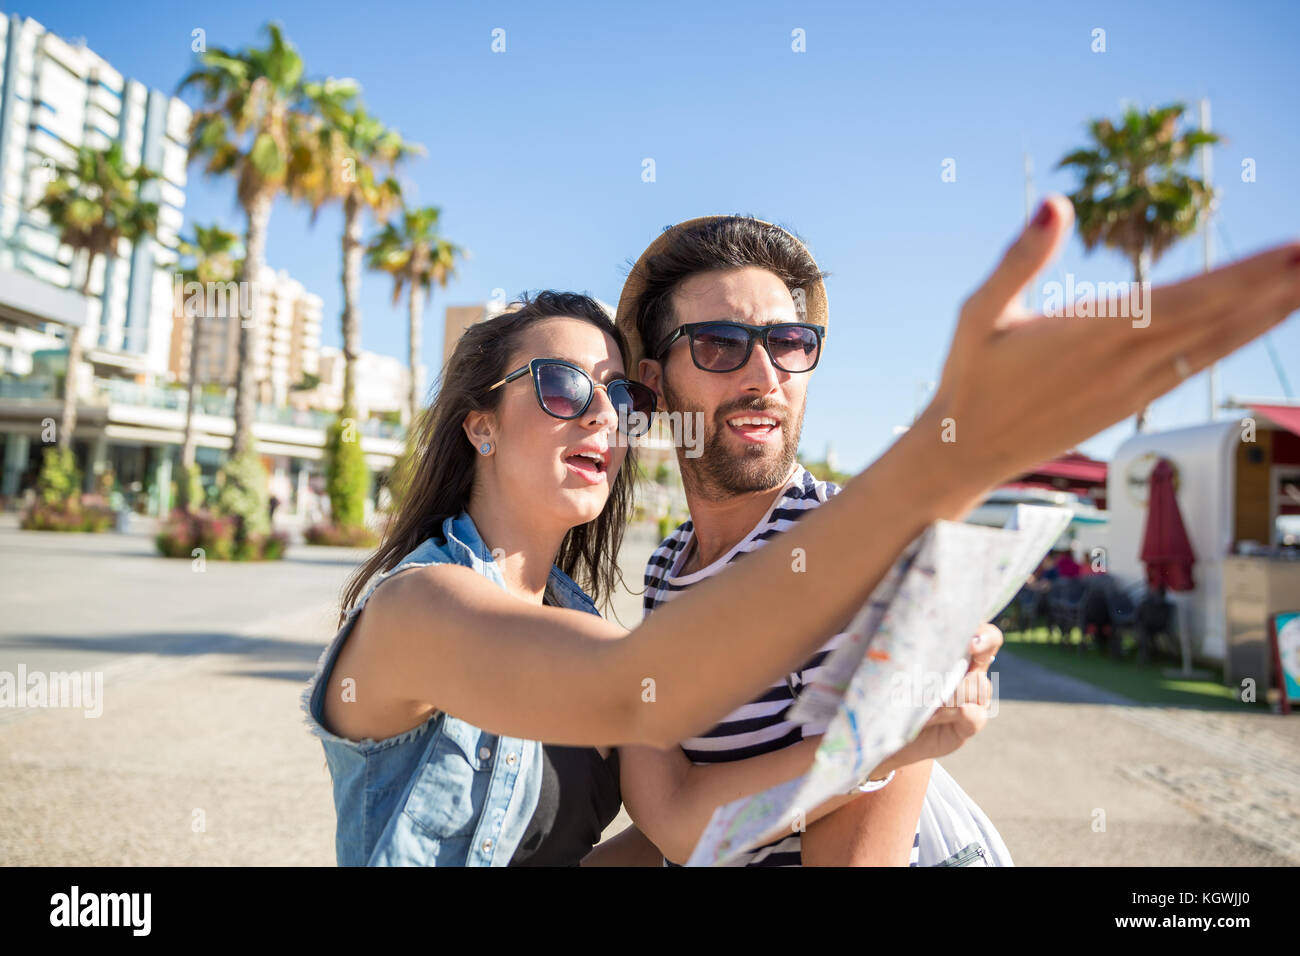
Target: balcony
{"points": [[26, 389], [106, 392]]}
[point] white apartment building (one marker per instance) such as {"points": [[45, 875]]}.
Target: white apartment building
{"points": [[381, 384], [55, 97], [286, 338]]}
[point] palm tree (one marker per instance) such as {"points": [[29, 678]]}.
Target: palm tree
{"points": [[415, 255], [214, 258], [252, 126], [1134, 194], [94, 204], [355, 149]]}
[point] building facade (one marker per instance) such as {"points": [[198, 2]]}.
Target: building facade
{"points": [[286, 337], [381, 385], [56, 96]]}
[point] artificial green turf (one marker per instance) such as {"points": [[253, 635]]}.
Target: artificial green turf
{"points": [[1146, 684]]}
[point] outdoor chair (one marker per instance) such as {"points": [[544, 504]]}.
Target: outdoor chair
{"points": [[1024, 612], [1065, 602], [1095, 617], [1154, 614]]}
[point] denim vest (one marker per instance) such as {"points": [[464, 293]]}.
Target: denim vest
{"points": [[445, 793]]}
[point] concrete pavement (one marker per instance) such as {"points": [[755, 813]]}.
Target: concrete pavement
{"points": [[200, 755]]}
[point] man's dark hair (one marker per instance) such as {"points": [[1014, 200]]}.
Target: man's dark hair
{"points": [[728, 243]]}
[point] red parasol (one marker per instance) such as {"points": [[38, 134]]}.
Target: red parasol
{"points": [[1165, 548]]}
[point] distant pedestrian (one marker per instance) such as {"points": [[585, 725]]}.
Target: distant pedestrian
{"points": [[1066, 566]]}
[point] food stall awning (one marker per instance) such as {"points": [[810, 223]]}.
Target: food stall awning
{"points": [[1283, 416], [1075, 469], [1072, 471]]}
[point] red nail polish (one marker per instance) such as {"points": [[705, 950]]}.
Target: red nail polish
{"points": [[1044, 215], [1294, 260]]}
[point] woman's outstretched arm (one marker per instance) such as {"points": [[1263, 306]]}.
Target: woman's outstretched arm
{"points": [[444, 636], [1015, 389]]}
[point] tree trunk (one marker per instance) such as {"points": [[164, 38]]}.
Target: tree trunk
{"points": [[1141, 269], [413, 345], [187, 446], [68, 424], [259, 217], [351, 287]]}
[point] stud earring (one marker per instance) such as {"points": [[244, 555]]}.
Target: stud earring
{"points": [[485, 448]]}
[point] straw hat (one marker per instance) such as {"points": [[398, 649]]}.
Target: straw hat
{"points": [[634, 287]]}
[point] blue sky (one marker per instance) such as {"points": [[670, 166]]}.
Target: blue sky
{"points": [[535, 155]]}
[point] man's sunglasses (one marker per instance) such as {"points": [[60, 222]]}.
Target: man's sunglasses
{"points": [[565, 391], [725, 346]]}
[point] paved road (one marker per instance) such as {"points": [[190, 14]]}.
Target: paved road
{"points": [[200, 755], [1072, 775]]}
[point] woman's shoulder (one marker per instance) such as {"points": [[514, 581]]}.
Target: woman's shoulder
{"points": [[421, 589], [377, 654]]}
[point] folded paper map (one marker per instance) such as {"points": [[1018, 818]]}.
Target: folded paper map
{"points": [[906, 653]]}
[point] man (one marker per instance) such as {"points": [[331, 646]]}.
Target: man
{"points": [[726, 317]]}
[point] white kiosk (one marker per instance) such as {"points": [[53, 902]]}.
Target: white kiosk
{"points": [[1233, 479]]}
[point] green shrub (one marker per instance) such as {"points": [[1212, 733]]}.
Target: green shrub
{"points": [[273, 547], [60, 479], [219, 548], [666, 525], [403, 470], [243, 492], [189, 488], [96, 520], [347, 479]]}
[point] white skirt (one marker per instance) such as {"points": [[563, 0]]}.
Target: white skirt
{"points": [[954, 830]]}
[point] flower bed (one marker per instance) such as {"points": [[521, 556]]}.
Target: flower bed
{"points": [[46, 517], [351, 536], [218, 537]]}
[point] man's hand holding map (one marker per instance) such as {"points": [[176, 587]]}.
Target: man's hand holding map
{"points": [[906, 654]]}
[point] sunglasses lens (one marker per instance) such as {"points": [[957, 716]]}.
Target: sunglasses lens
{"points": [[719, 348], [565, 392], [630, 397], [793, 349]]}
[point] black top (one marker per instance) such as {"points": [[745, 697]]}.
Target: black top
{"points": [[580, 797]]}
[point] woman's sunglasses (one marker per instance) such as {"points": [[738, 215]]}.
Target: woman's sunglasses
{"points": [[725, 346], [565, 391]]}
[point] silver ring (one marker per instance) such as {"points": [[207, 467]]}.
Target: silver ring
{"points": [[1181, 366]]}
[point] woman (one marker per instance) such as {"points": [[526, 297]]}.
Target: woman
{"points": [[518, 491], [514, 466]]}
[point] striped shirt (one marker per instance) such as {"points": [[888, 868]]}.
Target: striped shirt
{"points": [[760, 726]]}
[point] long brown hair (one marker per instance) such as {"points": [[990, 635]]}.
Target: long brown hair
{"points": [[441, 460]]}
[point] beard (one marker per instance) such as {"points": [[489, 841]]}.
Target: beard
{"points": [[722, 471]]}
